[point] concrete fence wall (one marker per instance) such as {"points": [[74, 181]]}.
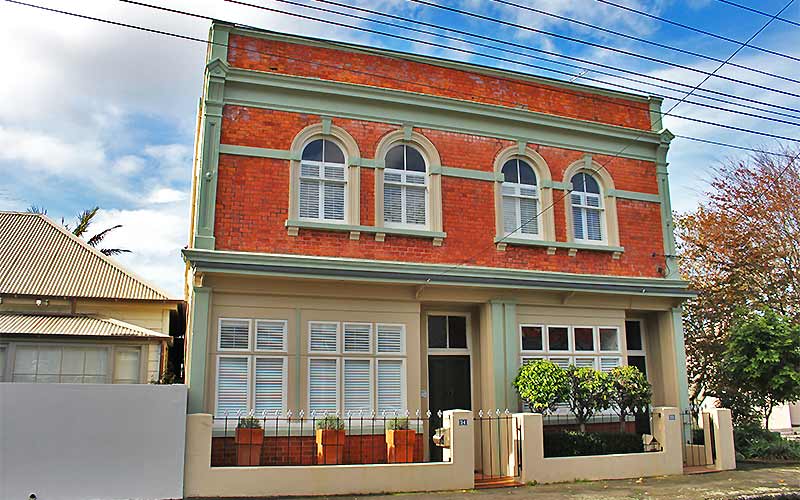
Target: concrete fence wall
{"points": [[202, 480], [99, 441]]}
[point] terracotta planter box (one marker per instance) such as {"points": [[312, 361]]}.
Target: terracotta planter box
{"points": [[330, 447], [400, 446], [248, 446]]}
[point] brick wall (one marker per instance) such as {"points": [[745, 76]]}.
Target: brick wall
{"points": [[252, 202], [395, 73]]}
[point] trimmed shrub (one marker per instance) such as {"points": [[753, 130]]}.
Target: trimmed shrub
{"points": [[754, 442], [579, 444]]}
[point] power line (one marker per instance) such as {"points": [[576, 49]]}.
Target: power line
{"points": [[641, 40], [458, 49], [271, 54], [600, 46], [696, 30], [760, 12], [733, 146], [583, 69]]}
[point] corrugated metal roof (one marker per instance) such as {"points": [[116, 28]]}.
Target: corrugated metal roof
{"points": [[40, 257], [71, 324]]}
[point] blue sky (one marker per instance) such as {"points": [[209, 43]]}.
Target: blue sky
{"points": [[103, 115]]}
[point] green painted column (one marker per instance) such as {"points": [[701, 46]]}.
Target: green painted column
{"points": [[667, 225], [512, 354], [498, 355], [680, 357], [198, 349]]}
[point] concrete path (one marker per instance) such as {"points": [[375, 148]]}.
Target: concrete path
{"points": [[747, 480]]}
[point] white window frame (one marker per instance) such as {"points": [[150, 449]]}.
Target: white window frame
{"points": [[584, 208], [339, 340], [250, 384], [5, 352], [339, 382], [453, 351], [595, 339], [373, 384], [373, 338], [619, 340], [114, 362], [544, 341], [109, 375], [249, 335], [517, 196], [321, 181], [403, 381], [403, 183], [284, 375], [570, 342], [285, 335]]}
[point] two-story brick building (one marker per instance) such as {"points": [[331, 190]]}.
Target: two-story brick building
{"points": [[375, 230]]}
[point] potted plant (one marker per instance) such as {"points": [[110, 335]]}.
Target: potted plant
{"points": [[249, 440], [400, 441], [330, 440]]}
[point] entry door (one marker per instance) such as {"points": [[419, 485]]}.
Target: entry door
{"points": [[448, 389]]}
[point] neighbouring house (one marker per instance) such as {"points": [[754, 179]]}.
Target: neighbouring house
{"points": [[379, 231], [69, 314]]}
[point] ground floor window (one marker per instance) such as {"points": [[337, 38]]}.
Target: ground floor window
{"points": [[565, 345], [247, 383], [56, 364]]}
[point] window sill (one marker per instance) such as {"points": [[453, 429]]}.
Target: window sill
{"points": [[294, 226], [571, 247]]}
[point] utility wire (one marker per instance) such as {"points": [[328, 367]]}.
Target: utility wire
{"points": [[759, 12], [584, 70], [640, 40], [466, 51], [289, 58], [696, 30], [600, 46]]}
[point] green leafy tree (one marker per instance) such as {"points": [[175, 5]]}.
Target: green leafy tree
{"points": [[541, 385], [630, 392], [82, 222], [589, 392], [763, 355]]}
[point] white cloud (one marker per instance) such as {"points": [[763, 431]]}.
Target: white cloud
{"points": [[165, 195]]}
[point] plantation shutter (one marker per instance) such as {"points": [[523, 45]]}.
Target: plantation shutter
{"points": [[593, 224], [527, 360], [415, 200], [357, 393], [232, 385], [234, 334], [608, 364], [585, 362], [391, 339], [561, 362], [323, 384], [334, 192], [390, 385], [309, 191], [324, 337], [577, 217], [528, 216], [270, 335], [509, 210], [357, 337], [392, 202], [269, 384]]}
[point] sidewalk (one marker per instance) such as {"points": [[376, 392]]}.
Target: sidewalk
{"points": [[749, 479]]}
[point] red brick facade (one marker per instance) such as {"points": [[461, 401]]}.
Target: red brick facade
{"points": [[252, 199]]}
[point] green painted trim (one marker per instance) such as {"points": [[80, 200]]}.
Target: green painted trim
{"points": [[298, 356], [558, 244], [436, 61], [465, 173], [277, 154], [633, 195], [364, 102], [512, 354], [498, 354], [680, 357], [667, 222], [655, 114], [201, 323], [327, 226], [326, 125], [564, 186], [416, 273]]}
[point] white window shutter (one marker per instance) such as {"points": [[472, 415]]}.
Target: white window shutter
{"points": [[562, 362], [357, 387], [392, 203], [324, 337], [528, 359], [270, 335], [593, 225], [390, 385], [577, 222], [415, 205], [357, 337], [334, 201], [608, 364], [269, 384], [323, 385], [232, 385], [309, 198], [509, 214], [585, 362], [391, 339], [529, 221], [234, 334]]}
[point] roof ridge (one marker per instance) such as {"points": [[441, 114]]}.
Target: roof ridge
{"points": [[83, 244]]}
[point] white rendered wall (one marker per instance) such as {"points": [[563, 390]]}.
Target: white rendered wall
{"points": [[100, 441]]}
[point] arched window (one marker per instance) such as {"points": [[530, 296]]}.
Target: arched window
{"points": [[323, 182], [405, 188], [587, 208], [520, 199]]}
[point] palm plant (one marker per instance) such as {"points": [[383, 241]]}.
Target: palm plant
{"points": [[82, 222]]}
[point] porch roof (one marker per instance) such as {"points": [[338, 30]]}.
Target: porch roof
{"points": [[72, 325], [334, 268]]}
